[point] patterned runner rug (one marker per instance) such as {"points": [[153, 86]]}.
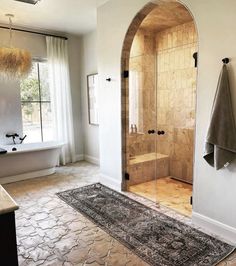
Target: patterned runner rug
{"points": [[154, 237]]}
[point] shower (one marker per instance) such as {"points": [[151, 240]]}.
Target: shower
{"points": [[160, 107]]}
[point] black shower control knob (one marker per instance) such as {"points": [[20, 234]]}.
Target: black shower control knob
{"points": [[161, 132], [151, 131]]}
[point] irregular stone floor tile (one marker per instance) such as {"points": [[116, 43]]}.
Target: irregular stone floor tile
{"points": [[51, 233]]}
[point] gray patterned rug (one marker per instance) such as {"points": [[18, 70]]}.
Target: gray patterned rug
{"points": [[154, 237]]}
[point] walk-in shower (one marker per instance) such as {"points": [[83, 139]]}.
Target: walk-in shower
{"points": [[160, 112]]}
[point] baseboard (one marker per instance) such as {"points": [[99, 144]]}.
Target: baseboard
{"points": [[91, 159], [16, 178], [110, 182], [224, 231], [88, 158], [79, 157]]}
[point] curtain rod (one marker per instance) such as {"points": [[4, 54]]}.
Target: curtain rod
{"points": [[34, 32]]}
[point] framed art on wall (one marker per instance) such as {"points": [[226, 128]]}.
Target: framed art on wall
{"points": [[92, 90]]}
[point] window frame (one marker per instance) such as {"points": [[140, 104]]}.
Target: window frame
{"points": [[40, 101]]}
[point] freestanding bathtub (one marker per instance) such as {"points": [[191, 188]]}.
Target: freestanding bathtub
{"points": [[28, 161]]}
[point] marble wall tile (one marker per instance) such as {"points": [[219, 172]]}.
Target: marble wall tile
{"points": [[149, 43], [176, 106], [164, 146], [162, 168], [137, 48], [176, 168]]}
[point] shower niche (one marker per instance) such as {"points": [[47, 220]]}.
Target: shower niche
{"points": [[161, 101]]}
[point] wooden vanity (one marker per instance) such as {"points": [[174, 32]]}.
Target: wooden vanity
{"points": [[8, 245]]}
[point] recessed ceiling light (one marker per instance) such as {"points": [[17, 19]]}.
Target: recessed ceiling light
{"points": [[32, 2]]}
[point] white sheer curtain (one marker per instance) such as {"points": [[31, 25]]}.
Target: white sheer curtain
{"points": [[59, 81]]}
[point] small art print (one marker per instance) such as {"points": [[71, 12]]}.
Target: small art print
{"points": [[92, 84]]}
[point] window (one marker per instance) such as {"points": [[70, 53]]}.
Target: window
{"points": [[36, 105]]}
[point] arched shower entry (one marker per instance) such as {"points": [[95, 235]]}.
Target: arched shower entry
{"points": [[159, 72]]}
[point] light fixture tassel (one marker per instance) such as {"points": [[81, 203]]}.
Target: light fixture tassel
{"points": [[15, 63]]}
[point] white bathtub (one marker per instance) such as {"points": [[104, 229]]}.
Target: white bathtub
{"points": [[29, 161]]}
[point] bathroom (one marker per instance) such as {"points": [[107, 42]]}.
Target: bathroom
{"points": [[161, 110], [158, 64]]}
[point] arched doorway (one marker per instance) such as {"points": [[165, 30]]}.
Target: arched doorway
{"points": [[159, 66]]}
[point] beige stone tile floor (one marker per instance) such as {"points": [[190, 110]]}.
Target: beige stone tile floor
{"points": [[168, 192], [49, 232]]}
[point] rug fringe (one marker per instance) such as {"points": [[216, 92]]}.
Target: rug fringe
{"points": [[226, 256]]}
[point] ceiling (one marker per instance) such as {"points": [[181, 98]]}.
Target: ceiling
{"points": [[166, 15], [66, 16]]}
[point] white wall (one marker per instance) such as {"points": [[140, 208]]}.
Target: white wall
{"points": [[214, 192], [10, 109], [89, 66]]}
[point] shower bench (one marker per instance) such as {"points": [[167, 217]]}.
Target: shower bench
{"points": [[146, 167]]}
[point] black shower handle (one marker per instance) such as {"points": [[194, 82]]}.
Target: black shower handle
{"points": [[151, 131], [161, 132]]}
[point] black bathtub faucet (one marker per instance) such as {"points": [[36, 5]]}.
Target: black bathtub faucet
{"points": [[13, 136], [10, 135], [22, 139]]}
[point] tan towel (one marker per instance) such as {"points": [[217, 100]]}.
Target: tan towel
{"points": [[220, 148]]}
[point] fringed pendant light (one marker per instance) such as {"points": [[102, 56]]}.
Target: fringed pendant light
{"points": [[15, 63]]}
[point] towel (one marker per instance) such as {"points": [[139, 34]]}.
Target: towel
{"points": [[220, 147]]}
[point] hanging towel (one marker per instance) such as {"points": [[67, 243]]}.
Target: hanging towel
{"points": [[220, 147]]}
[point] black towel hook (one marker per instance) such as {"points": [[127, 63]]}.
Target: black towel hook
{"points": [[225, 60]]}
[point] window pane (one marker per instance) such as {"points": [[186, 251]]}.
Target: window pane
{"points": [[31, 122], [35, 94], [47, 122], [30, 86], [44, 84]]}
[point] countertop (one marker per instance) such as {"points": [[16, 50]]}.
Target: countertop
{"points": [[7, 204]]}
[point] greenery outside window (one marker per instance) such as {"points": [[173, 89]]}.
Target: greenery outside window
{"points": [[36, 104]]}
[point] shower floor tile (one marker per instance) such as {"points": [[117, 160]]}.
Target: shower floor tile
{"points": [[167, 191]]}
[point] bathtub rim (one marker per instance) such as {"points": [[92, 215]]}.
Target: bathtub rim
{"points": [[53, 145]]}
